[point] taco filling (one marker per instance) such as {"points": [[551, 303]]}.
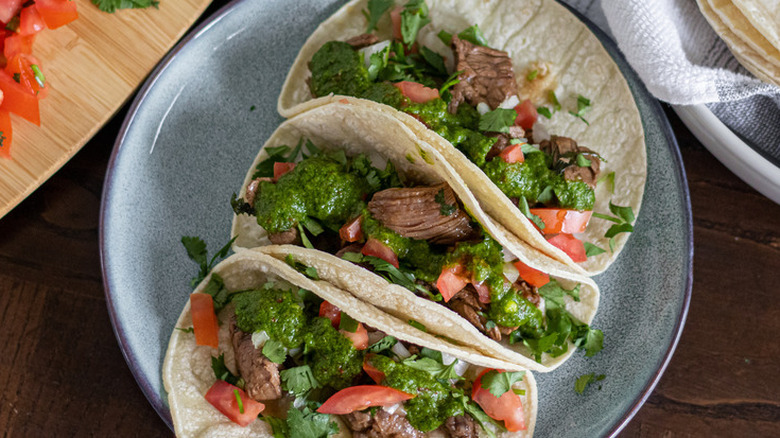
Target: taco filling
{"points": [[300, 360], [416, 236], [470, 97]]}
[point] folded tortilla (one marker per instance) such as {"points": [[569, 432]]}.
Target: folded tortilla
{"points": [[534, 33], [353, 127], [187, 372]]}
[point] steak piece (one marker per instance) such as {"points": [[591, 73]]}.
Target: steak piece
{"points": [[260, 374], [488, 76], [461, 426], [363, 40], [415, 213], [285, 237], [530, 293], [466, 304], [358, 421], [564, 151], [386, 425]]}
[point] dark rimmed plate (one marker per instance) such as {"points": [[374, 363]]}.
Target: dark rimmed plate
{"points": [[199, 121]]}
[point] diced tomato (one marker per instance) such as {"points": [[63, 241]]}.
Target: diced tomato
{"points": [[30, 21], [416, 92], [352, 231], [372, 371], [56, 13], [16, 44], [569, 244], [526, 114], [222, 395], [532, 276], [562, 220], [17, 100], [6, 134], [333, 313], [483, 291], [507, 408], [21, 66], [357, 398], [395, 17], [281, 168], [375, 248], [9, 8], [451, 281], [359, 337], [204, 320], [512, 154]]}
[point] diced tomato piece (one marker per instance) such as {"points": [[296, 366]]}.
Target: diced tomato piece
{"points": [[16, 44], [222, 395], [372, 371], [416, 92], [352, 231], [6, 134], [56, 13], [526, 114], [507, 408], [30, 21], [204, 320], [512, 154], [359, 337], [357, 398], [395, 17], [376, 248], [9, 8], [21, 66], [562, 220], [333, 313], [532, 276], [451, 281], [483, 291], [281, 168], [17, 100], [572, 246]]}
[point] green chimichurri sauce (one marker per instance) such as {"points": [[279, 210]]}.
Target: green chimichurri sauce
{"points": [[276, 311], [334, 361], [434, 401], [338, 68]]}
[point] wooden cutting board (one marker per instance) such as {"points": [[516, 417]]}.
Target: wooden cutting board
{"points": [[92, 65]]}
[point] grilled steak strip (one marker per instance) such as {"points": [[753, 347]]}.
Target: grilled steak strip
{"points": [[564, 151], [382, 425], [285, 237], [415, 213], [260, 374], [461, 426], [363, 40], [488, 76]]}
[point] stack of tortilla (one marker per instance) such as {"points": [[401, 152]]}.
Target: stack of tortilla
{"points": [[751, 29]]}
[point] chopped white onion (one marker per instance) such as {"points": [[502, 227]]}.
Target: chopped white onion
{"points": [[370, 50], [299, 402], [483, 108], [400, 350], [510, 102], [508, 256], [510, 272], [396, 408], [259, 338]]}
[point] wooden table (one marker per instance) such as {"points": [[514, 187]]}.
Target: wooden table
{"points": [[62, 372]]}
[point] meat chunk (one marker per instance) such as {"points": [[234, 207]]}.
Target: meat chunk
{"points": [[461, 426], [358, 421], [285, 237], [364, 40], [387, 425], [530, 293], [416, 213], [466, 304], [251, 190], [488, 76], [260, 374], [564, 151]]}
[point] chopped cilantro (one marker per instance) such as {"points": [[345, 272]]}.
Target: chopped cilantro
{"points": [[413, 17], [417, 325], [309, 271], [186, 330], [222, 372], [583, 105], [298, 380], [252, 108], [623, 219], [445, 209], [391, 273], [593, 250], [277, 154], [482, 418], [445, 37], [308, 424], [196, 251], [383, 344], [522, 204], [610, 179], [278, 426], [473, 34], [111, 6], [274, 351], [304, 238], [582, 161], [532, 75], [585, 380], [376, 8], [554, 100], [543, 110], [219, 293], [498, 120], [444, 91], [434, 59], [378, 62], [433, 367], [500, 382]]}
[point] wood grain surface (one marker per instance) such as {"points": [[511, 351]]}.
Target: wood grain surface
{"points": [[62, 372], [92, 65]]}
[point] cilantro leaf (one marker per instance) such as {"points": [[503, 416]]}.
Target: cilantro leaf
{"points": [[610, 179], [221, 371], [625, 213], [196, 250], [111, 6], [417, 325], [554, 100], [473, 34], [522, 204], [583, 105], [614, 230], [278, 426], [309, 271], [434, 59], [308, 424], [413, 17], [274, 351], [383, 344], [586, 379], [482, 418], [304, 238], [582, 161], [546, 196], [444, 91], [532, 75], [591, 340], [376, 8], [445, 209], [593, 250], [391, 273], [498, 383], [240, 206], [433, 367], [378, 62], [219, 293], [498, 120], [299, 380], [185, 330], [543, 110], [276, 154]]}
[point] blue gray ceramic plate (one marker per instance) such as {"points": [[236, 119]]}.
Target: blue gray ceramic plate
{"points": [[199, 121]]}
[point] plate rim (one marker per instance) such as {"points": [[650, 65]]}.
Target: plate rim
{"points": [[156, 399]]}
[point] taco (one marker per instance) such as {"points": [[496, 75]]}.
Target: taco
{"points": [[386, 218], [471, 78], [284, 350]]}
